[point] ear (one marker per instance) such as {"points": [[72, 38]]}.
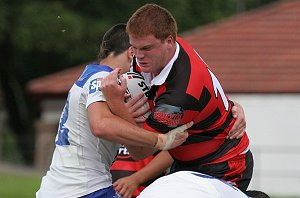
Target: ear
{"points": [[130, 54], [170, 41]]}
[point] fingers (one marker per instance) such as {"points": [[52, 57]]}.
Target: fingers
{"points": [[136, 102], [114, 78], [123, 189], [182, 128], [174, 137], [114, 75], [181, 136], [138, 107], [234, 111], [239, 127], [127, 96], [140, 121], [123, 82]]}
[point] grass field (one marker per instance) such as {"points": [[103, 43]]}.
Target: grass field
{"points": [[22, 185], [16, 185]]}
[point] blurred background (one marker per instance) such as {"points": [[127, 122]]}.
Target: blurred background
{"points": [[253, 47]]}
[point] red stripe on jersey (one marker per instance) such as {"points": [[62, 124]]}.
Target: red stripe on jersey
{"points": [[161, 89], [193, 151], [188, 152], [130, 165], [236, 167], [196, 64], [138, 190], [235, 151]]}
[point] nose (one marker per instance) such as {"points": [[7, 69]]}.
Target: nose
{"points": [[138, 53]]}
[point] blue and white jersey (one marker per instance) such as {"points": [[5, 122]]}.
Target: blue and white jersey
{"points": [[190, 184], [81, 161]]}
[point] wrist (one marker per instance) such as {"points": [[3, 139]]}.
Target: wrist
{"points": [[138, 178], [160, 143]]}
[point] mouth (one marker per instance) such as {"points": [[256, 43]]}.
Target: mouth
{"points": [[142, 64]]}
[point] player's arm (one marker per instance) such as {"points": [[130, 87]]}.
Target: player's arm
{"points": [[140, 142], [127, 185], [108, 126], [239, 127], [114, 94]]}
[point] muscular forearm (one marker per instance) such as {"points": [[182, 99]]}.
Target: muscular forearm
{"points": [[137, 152], [108, 126], [156, 167], [113, 128]]}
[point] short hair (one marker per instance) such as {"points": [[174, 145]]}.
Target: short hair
{"points": [[115, 41], [152, 19], [256, 194]]}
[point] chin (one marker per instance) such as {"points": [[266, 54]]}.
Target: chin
{"points": [[145, 69]]}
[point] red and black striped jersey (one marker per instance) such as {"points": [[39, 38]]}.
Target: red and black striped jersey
{"points": [[192, 92], [124, 165]]}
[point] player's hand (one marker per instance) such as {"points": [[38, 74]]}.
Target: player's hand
{"points": [[239, 127], [173, 138], [134, 106], [126, 186], [114, 86]]}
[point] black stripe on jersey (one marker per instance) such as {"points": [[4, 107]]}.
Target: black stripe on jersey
{"points": [[179, 99], [125, 159], [226, 146], [134, 65], [207, 122], [152, 92], [117, 174], [208, 135], [204, 98]]}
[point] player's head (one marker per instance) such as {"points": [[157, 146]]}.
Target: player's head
{"points": [[152, 19], [115, 41], [152, 34], [256, 194]]}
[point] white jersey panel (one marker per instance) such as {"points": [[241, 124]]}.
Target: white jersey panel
{"points": [[190, 184], [81, 161]]}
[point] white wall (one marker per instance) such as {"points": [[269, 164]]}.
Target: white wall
{"points": [[273, 125]]}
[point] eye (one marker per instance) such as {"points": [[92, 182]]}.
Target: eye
{"points": [[147, 48]]}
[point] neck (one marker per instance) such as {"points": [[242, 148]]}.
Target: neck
{"points": [[112, 61], [120, 61]]}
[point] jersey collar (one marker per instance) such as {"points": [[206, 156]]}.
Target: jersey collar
{"points": [[162, 76]]}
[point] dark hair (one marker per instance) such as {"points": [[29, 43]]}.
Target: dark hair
{"points": [[115, 41], [256, 194]]}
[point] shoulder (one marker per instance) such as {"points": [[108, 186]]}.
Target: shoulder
{"points": [[91, 73]]}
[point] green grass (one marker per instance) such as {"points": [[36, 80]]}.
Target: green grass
{"points": [[14, 185]]}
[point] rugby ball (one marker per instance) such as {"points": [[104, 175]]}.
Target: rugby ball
{"points": [[135, 85]]}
